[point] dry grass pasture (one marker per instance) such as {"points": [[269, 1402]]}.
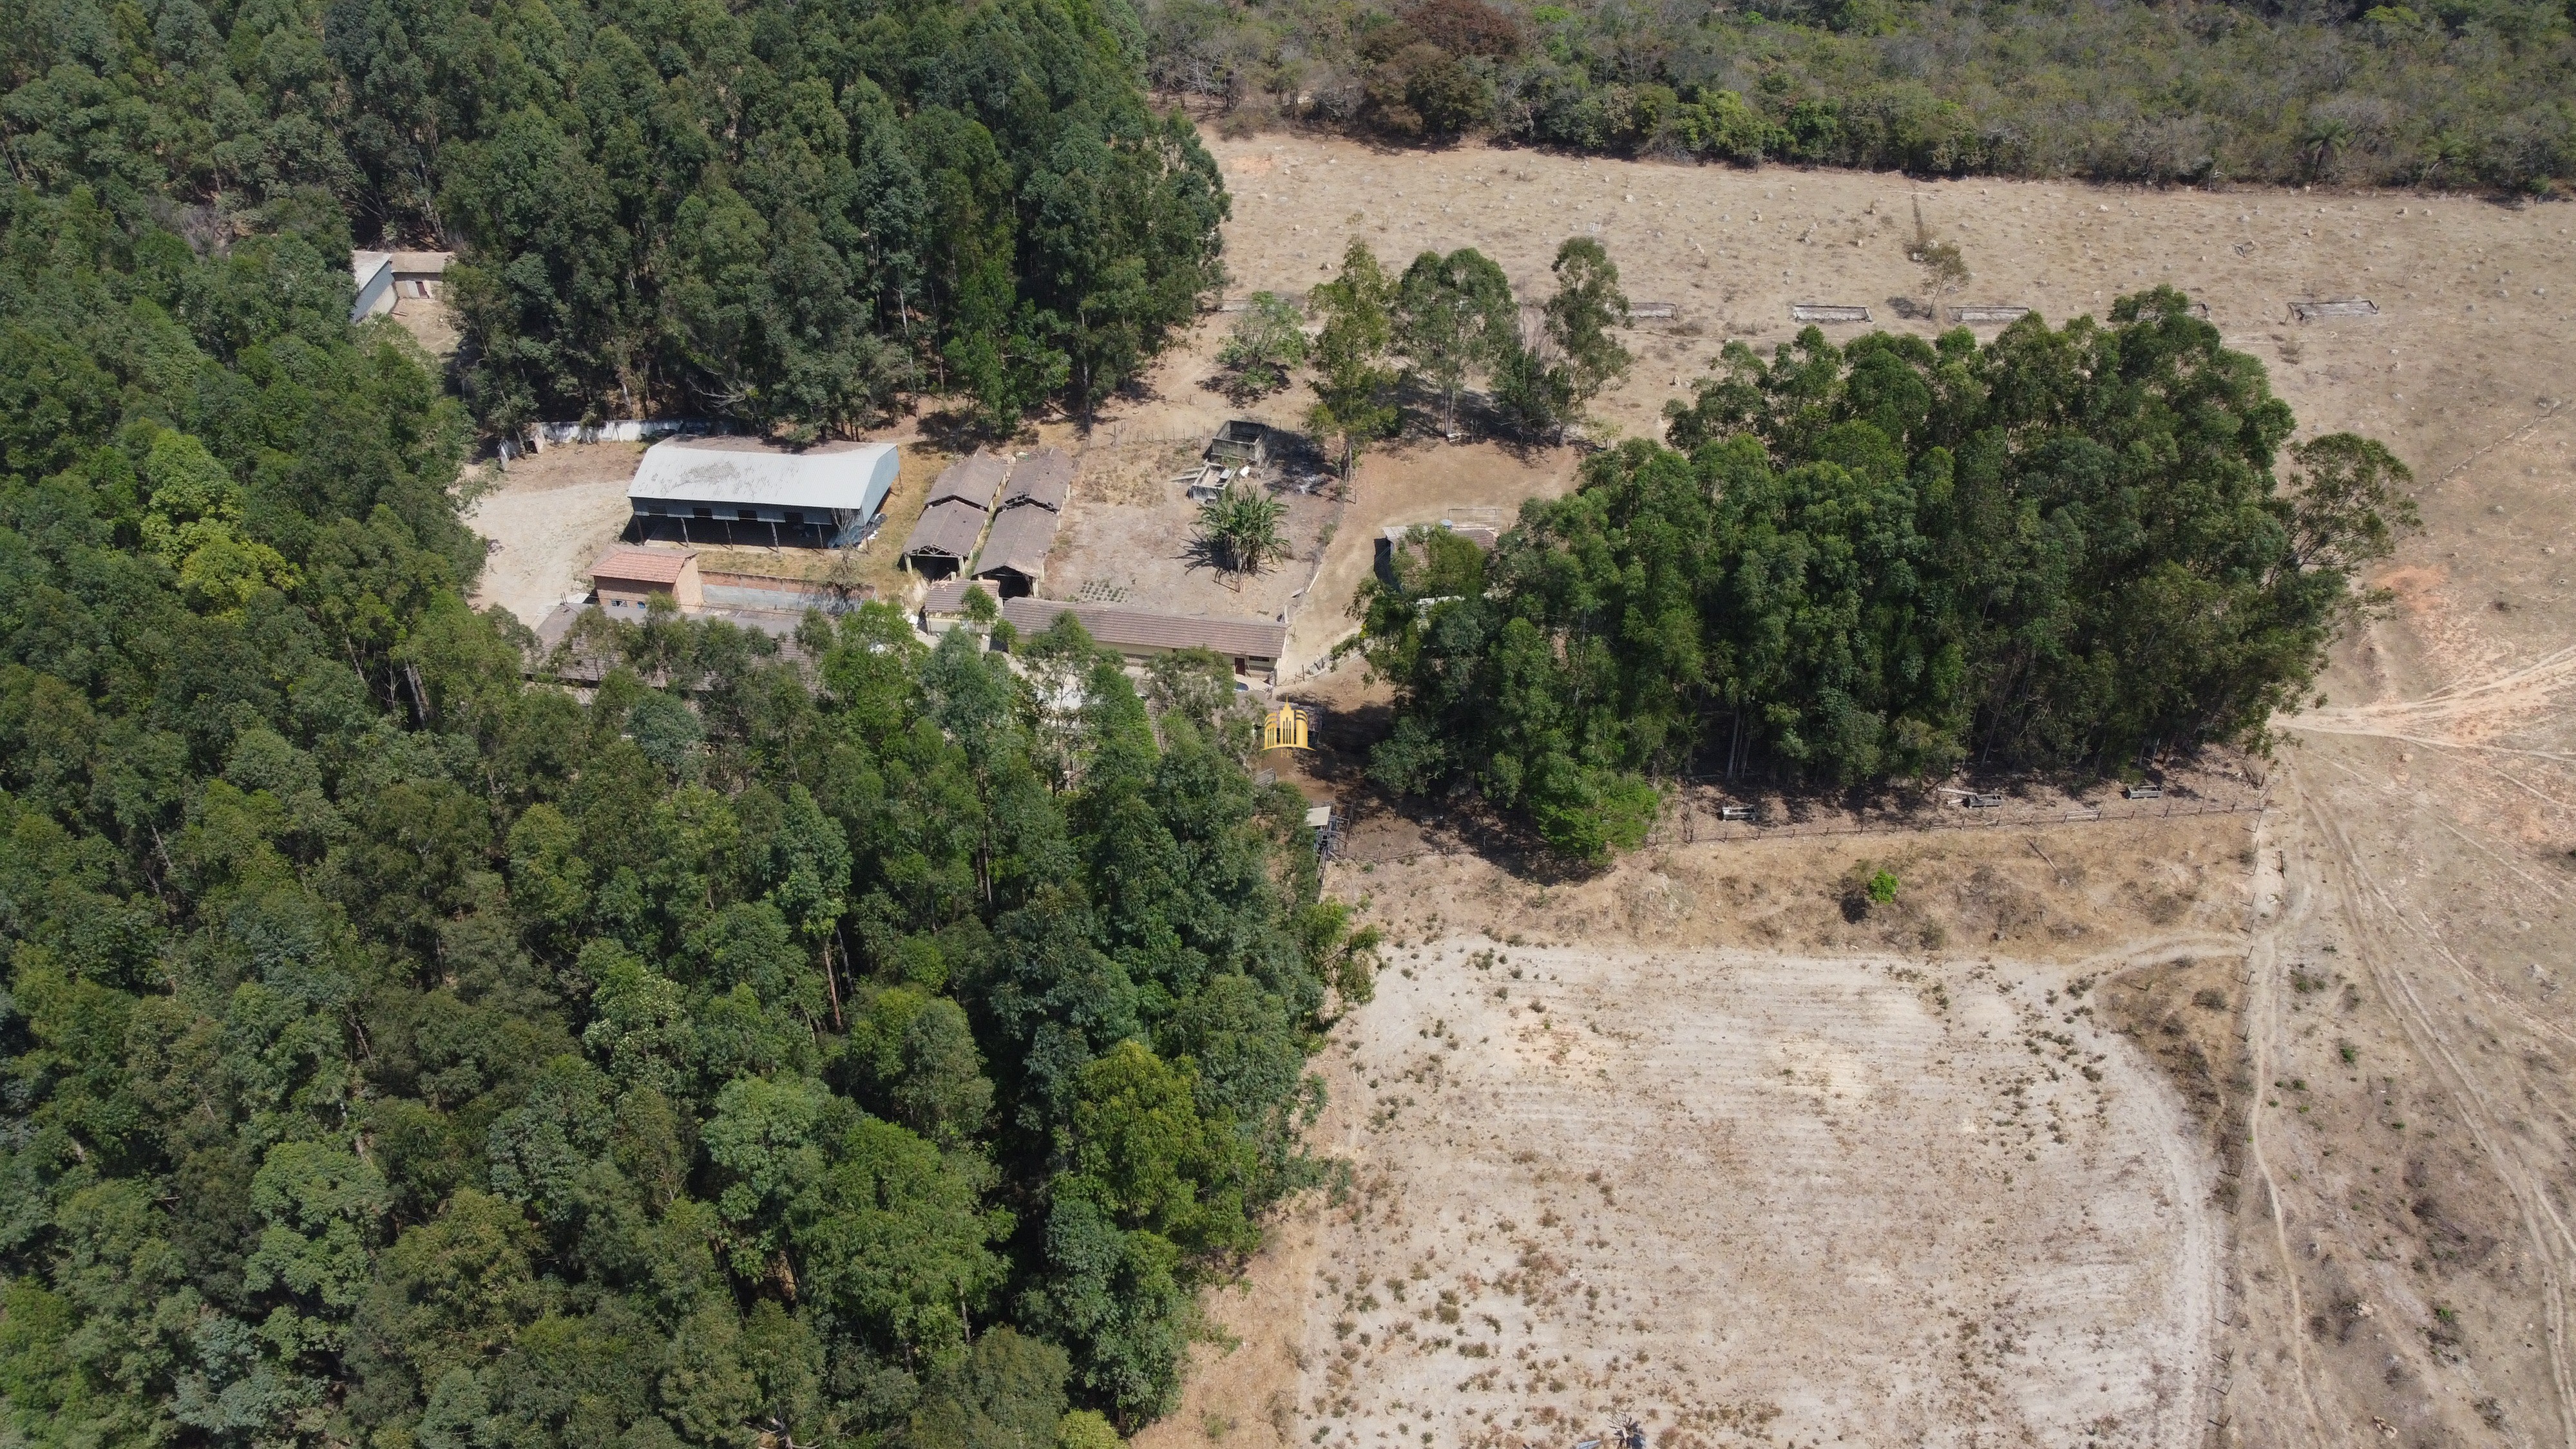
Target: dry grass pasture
{"points": [[2333, 1040]]}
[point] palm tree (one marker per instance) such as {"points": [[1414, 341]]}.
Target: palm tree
{"points": [[2446, 152], [2325, 136], [1241, 526]]}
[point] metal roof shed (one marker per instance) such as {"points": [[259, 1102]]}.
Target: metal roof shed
{"points": [[374, 272], [825, 494]]}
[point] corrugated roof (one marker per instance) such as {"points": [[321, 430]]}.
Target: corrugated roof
{"points": [[642, 565], [971, 479], [947, 529], [433, 263], [849, 477], [1044, 478], [1139, 628], [1019, 541]]}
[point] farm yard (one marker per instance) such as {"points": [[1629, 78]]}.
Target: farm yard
{"points": [[2002, 879], [2245, 1129], [2476, 316]]}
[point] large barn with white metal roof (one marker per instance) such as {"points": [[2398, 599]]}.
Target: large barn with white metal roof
{"points": [[743, 490]]}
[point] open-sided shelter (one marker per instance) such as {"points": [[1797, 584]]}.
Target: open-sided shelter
{"points": [[1014, 556], [952, 518], [709, 490], [944, 538]]}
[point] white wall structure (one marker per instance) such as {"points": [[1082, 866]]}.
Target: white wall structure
{"points": [[614, 430], [375, 274]]}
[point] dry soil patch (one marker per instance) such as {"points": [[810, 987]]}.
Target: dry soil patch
{"points": [[546, 518], [1592, 1182]]}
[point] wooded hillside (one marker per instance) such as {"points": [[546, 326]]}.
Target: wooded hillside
{"points": [[775, 215], [2461, 93], [836, 1045]]}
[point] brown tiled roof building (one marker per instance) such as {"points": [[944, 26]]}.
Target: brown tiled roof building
{"points": [[1253, 645], [1043, 478]]}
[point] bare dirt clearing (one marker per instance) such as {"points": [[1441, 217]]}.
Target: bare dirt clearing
{"points": [[1133, 538], [548, 517], [1602, 1180], [1696, 1139]]}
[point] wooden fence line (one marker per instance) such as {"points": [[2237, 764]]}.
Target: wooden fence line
{"points": [[1691, 831]]}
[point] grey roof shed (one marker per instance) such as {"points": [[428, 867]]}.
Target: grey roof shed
{"points": [[1016, 552], [1043, 478], [946, 531], [971, 479]]}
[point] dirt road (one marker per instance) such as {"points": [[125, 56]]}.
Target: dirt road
{"points": [[2421, 1255]]}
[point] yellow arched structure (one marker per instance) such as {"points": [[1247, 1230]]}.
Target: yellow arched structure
{"points": [[1286, 728]]}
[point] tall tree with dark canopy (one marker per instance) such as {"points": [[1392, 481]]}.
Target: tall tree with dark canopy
{"points": [[1454, 317]]}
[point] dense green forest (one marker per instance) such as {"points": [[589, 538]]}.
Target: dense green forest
{"points": [[2449, 93], [1894, 558], [830, 1045], [773, 214]]}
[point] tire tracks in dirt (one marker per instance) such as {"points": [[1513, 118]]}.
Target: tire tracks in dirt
{"points": [[2467, 715], [2277, 907], [2364, 907]]}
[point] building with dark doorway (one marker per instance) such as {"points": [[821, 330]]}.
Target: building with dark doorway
{"points": [[952, 518]]}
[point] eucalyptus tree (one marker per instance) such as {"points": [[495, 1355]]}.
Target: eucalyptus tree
{"points": [[1454, 319]]}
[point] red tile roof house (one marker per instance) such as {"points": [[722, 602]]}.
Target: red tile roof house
{"points": [[627, 579]]}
